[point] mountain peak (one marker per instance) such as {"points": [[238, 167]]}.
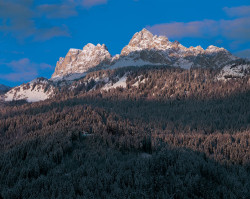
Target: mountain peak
{"points": [[80, 61], [212, 47], [141, 36], [143, 49], [89, 46], [215, 48], [74, 50], [92, 47], [145, 40], [199, 48], [145, 32]]}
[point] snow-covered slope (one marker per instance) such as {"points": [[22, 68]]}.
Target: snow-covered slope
{"points": [[148, 49], [121, 83], [143, 49], [34, 91], [235, 70]]}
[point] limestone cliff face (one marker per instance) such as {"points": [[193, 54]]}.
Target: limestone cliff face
{"points": [[80, 61], [63, 66], [145, 40], [143, 49]]}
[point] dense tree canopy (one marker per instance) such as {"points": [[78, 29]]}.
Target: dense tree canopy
{"points": [[179, 134]]}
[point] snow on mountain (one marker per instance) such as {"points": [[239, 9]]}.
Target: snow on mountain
{"points": [[37, 90], [143, 49], [139, 81], [148, 49], [128, 61], [120, 83], [145, 40], [235, 70], [80, 61]]}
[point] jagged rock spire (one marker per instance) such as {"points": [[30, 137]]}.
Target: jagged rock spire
{"points": [[143, 49], [145, 40], [80, 61]]}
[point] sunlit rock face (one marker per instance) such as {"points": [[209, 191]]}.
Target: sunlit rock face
{"points": [[143, 49], [146, 48], [80, 61]]}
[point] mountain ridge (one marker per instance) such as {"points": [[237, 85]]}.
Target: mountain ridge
{"points": [[38, 89], [79, 61], [143, 49]]}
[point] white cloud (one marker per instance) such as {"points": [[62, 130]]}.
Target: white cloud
{"points": [[236, 30], [176, 30], [231, 29], [21, 20], [23, 70], [58, 10], [241, 11], [91, 3]]}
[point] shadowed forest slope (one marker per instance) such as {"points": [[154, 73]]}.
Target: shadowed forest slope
{"points": [[191, 140]]}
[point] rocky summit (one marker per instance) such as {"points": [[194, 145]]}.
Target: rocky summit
{"points": [[143, 49], [80, 61]]}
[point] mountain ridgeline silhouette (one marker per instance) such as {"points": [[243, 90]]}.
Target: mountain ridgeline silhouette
{"points": [[103, 127], [143, 49]]}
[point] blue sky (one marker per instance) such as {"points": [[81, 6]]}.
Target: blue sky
{"points": [[34, 34]]}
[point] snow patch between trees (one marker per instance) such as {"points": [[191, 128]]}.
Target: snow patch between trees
{"points": [[120, 83], [233, 71], [36, 90]]}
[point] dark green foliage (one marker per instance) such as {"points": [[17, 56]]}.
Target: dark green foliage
{"points": [[92, 167], [188, 140]]}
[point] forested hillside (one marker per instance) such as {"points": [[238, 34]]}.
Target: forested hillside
{"points": [[165, 133]]}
